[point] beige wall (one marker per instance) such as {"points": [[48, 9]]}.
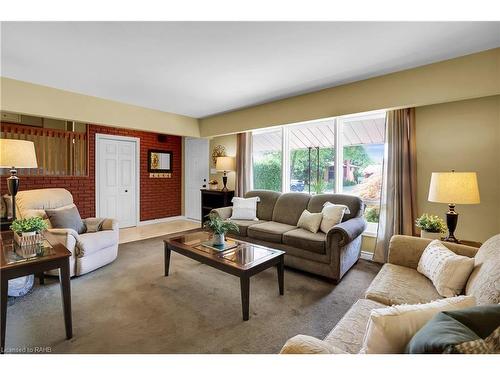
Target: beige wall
{"points": [[229, 142], [464, 136], [467, 77], [37, 100]]}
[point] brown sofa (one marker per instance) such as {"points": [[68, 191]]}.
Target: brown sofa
{"points": [[329, 254], [398, 282]]}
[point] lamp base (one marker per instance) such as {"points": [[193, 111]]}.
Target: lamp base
{"points": [[451, 223], [224, 181], [13, 187]]}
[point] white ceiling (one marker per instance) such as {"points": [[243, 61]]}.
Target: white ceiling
{"points": [[203, 68]]}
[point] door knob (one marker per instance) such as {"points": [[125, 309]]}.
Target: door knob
{"points": [[126, 191]]}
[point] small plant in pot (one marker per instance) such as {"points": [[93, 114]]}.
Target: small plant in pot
{"points": [[431, 226], [28, 226], [219, 227]]}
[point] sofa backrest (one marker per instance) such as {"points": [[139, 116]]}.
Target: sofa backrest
{"points": [[289, 207], [265, 207], [31, 203], [484, 281], [355, 204]]}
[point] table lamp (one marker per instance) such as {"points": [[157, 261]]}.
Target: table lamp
{"points": [[453, 188], [225, 164], [15, 153]]}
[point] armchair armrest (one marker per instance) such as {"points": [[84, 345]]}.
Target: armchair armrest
{"points": [[223, 212], [302, 344], [109, 224], [68, 237], [407, 250], [348, 230]]}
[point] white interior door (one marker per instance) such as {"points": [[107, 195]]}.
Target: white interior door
{"points": [[116, 179], [196, 164]]}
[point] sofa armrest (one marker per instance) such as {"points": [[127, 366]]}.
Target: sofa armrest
{"points": [[407, 250], [68, 237], [223, 212], [348, 230], [302, 344]]}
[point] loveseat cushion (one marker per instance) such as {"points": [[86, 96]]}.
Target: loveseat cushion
{"points": [[348, 334], [305, 240], [484, 281], [269, 231], [89, 243], [396, 285], [244, 224], [267, 200], [289, 207]]}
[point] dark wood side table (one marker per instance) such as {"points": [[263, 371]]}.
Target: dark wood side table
{"points": [[13, 263], [211, 199]]}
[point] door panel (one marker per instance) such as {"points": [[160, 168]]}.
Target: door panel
{"points": [[197, 169], [117, 180]]}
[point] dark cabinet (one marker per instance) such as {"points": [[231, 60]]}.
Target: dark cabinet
{"points": [[211, 199]]}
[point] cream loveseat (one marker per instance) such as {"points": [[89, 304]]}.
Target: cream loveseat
{"points": [[329, 254], [398, 282], [89, 250]]}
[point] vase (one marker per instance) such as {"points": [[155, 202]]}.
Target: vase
{"points": [[219, 239], [430, 235]]}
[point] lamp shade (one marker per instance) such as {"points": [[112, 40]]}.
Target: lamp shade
{"points": [[17, 153], [454, 187], [225, 164]]}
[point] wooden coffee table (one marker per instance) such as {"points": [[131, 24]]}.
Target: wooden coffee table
{"points": [[243, 261], [14, 262]]}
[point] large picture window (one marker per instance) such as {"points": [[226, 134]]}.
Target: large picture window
{"points": [[303, 158]]}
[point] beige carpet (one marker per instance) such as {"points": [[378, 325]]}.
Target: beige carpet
{"points": [[129, 307]]}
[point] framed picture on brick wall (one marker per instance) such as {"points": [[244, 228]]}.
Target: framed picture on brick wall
{"points": [[159, 161]]}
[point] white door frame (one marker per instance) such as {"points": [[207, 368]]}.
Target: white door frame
{"points": [[137, 141]]}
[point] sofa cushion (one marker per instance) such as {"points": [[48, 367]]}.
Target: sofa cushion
{"points": [[310, 221], [89, 243], [303, 239], [289, 207], [396, 285], [348, 334], [484, 281], [266, 204], [244, 224], [354, 203], [244, 208], [269, 231]]}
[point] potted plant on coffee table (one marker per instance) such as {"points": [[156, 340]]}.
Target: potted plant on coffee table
{"points": [[431, 226], [28, 230], [219, 227]]}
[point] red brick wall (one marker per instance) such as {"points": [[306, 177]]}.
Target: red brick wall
{"points": [[159, 197]]}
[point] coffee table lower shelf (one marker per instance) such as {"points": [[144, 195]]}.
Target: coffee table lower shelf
{"points": [[244, 261]]}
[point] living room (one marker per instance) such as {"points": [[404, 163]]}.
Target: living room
{"points": [[192, 187]]}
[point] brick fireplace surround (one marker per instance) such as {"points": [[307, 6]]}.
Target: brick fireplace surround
{"points": [[159, 197]]}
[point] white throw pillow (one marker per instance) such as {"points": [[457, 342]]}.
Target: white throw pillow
{"points": [[310, 221], [244, 208], [332, 215], [448, 271], [390, 329]]}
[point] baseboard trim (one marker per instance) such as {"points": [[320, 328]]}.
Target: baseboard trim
{"points": [[162, 220]]}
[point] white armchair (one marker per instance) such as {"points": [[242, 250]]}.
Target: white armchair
{"points": [[89, 250]]}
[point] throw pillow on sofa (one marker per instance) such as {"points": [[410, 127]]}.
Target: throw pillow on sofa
{"points": [[310, 221], [67, 217], [332, 215], [390, 329], [448, 271], [450, 328], [244, 208]]}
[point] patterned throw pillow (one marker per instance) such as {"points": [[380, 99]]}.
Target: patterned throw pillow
{"points": [[447, 271], [332, 215], [489, 345]]}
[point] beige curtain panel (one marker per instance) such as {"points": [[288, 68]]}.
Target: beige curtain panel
{"points": [[243, 163], [398, 209]]}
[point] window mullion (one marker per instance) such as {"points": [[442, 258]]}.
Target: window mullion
{"points": [[339, 155], [285, 160]]}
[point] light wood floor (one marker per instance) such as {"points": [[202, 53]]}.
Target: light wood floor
{"points": [[155, 230]]}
